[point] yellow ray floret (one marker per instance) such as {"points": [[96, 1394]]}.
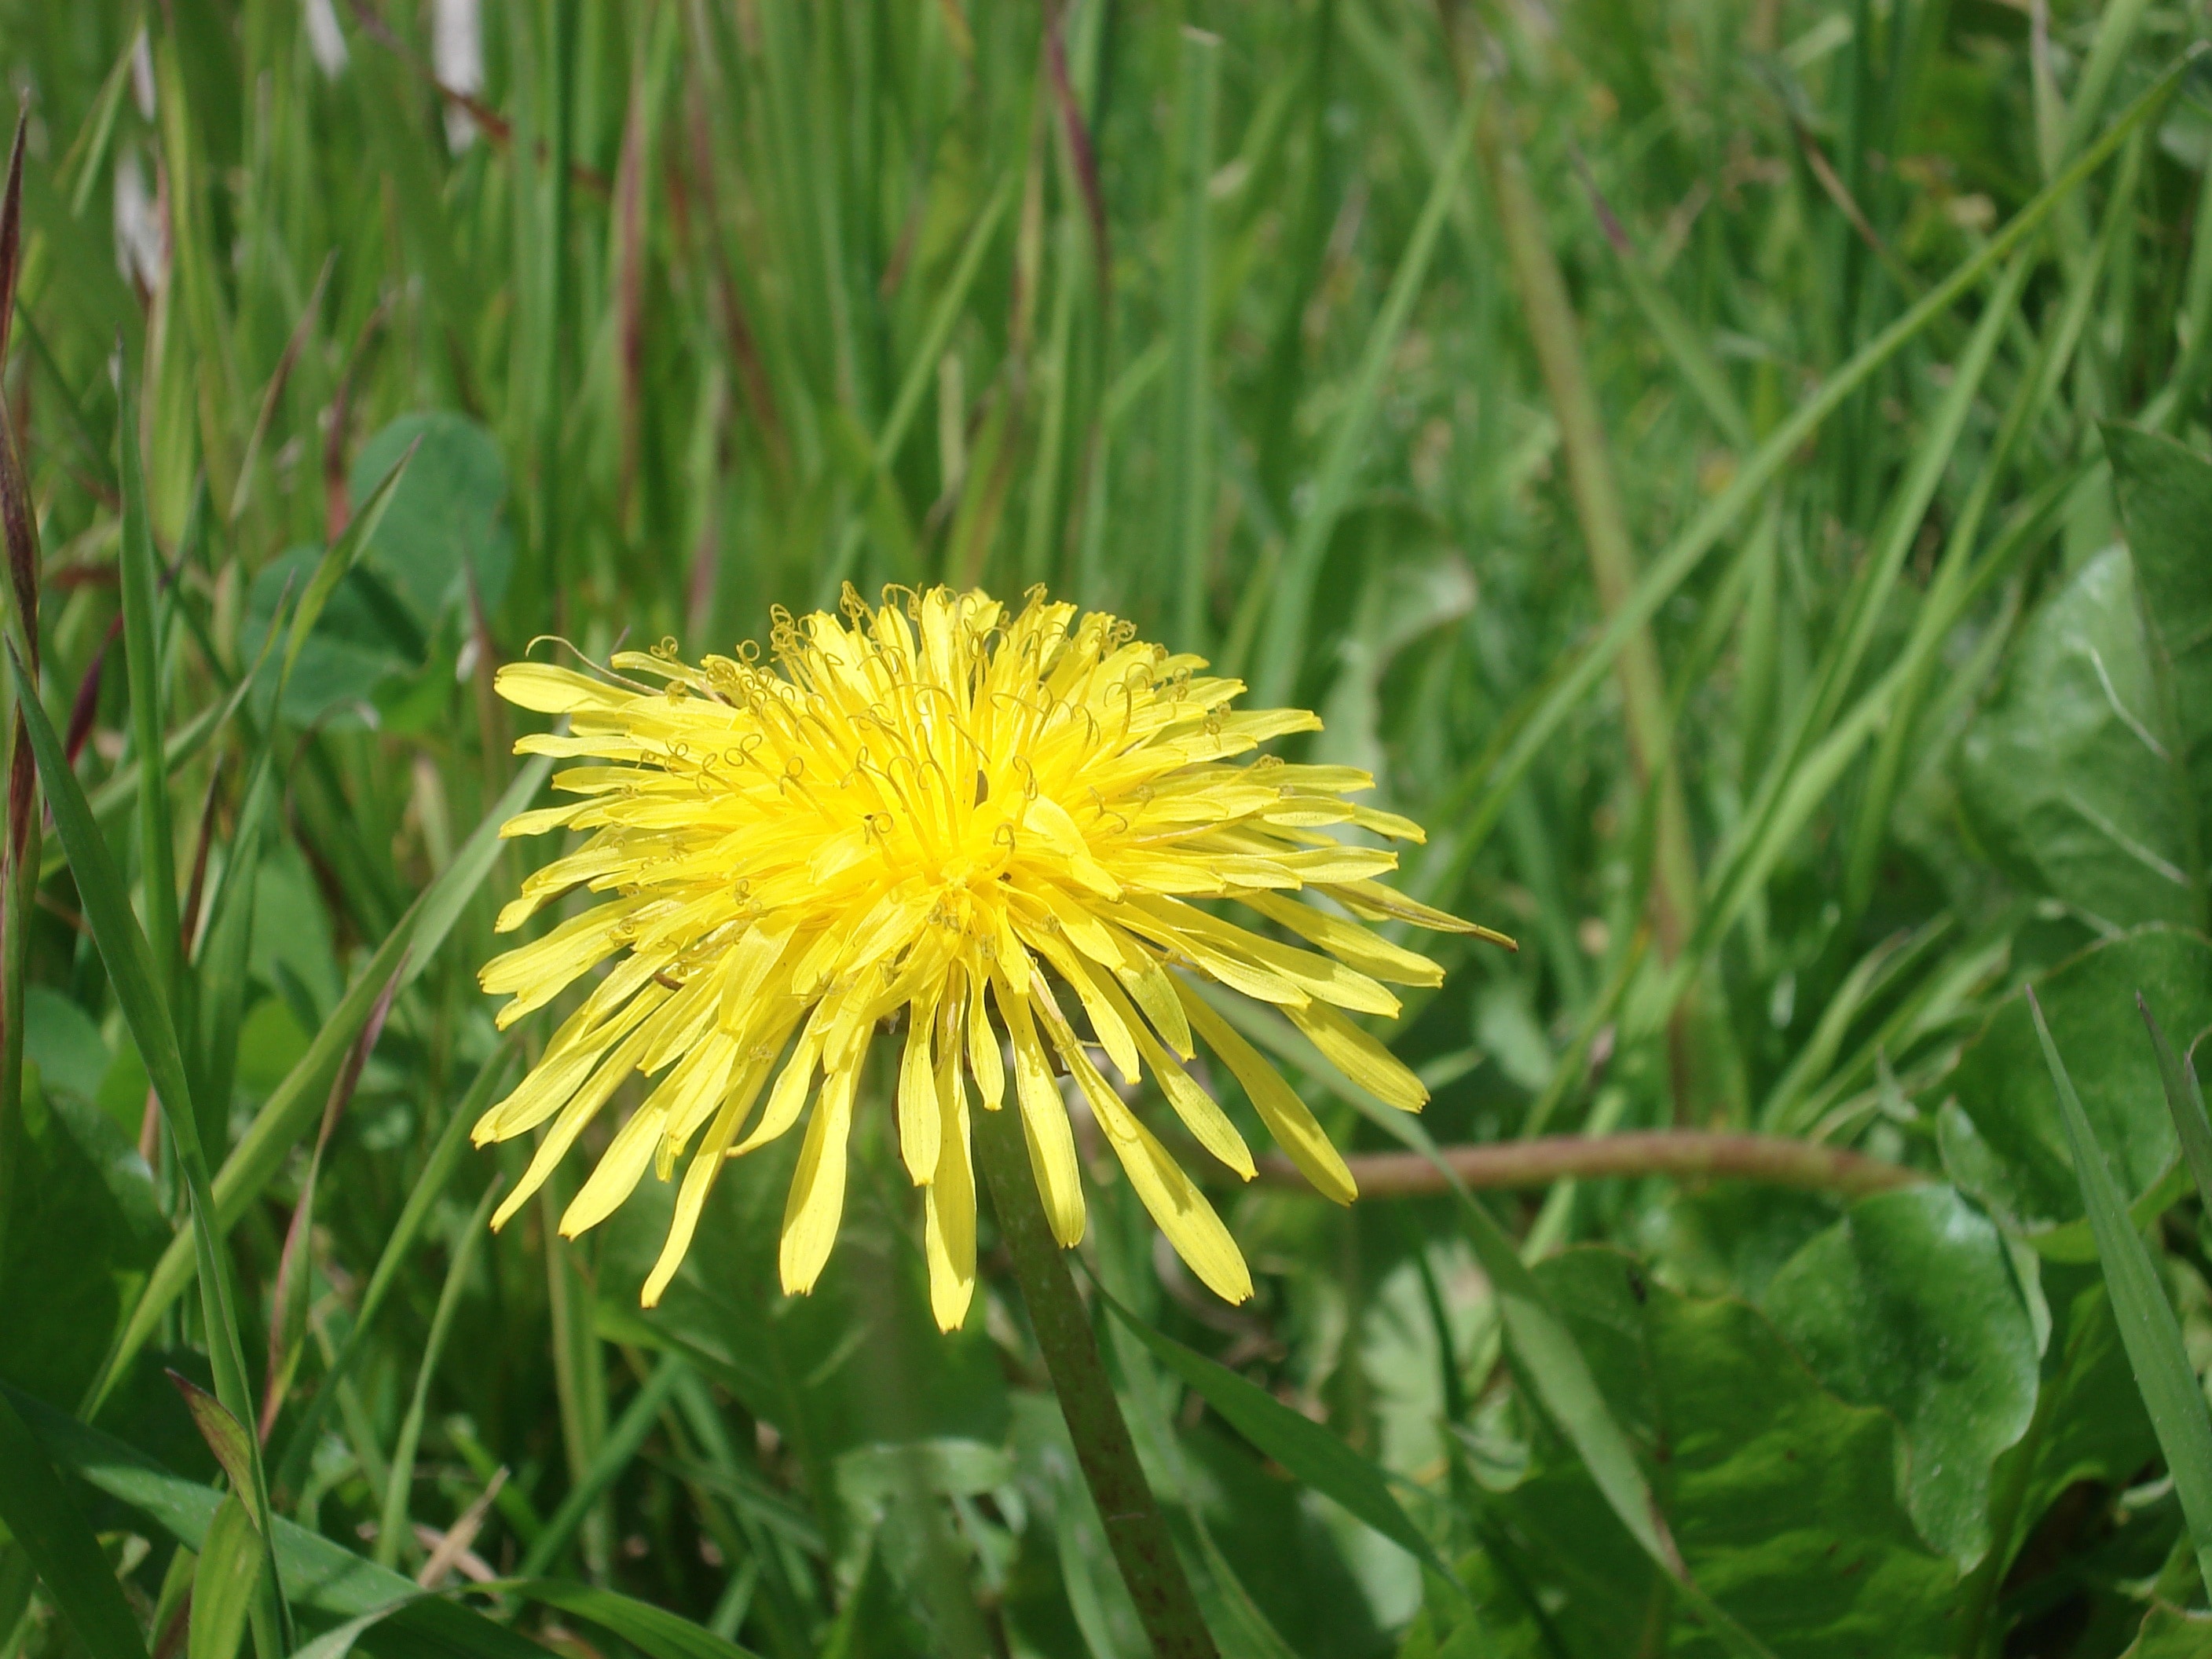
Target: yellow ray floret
{"points": [[937, 810]]}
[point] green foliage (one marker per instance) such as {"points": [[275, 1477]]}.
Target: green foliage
{"points": [[1789, 616]]}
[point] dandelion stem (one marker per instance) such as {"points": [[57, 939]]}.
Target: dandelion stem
{"points": [[1135, 1529]]}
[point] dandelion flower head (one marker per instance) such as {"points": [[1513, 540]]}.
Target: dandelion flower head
{"points": [[1006, 827]]}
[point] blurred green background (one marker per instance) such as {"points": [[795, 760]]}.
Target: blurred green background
{"points": [[1732, 470]]}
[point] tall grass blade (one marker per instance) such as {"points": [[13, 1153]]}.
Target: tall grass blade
{"points": [[132, 972], [1489, 783], [2185, 1101], [1186, 447], [2152, 1335], [291, 1106], [1283, 643]]}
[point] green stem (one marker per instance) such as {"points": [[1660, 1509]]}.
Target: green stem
{"points": [[1135, 1529]]}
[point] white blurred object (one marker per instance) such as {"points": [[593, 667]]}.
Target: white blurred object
{"points": [[457, 59], [326, 39], [142, 76], [141, 244]]}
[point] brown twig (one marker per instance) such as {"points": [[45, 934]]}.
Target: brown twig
{"points": [[1680, 1154]]}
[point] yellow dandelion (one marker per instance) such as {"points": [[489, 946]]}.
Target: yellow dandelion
{"points": [[999, 823]]}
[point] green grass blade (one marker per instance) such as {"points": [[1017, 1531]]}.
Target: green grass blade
{"points": [[652, 1631], [1186, 449], [223, 1583], [142, 653], [614, 1452], [1489, 783], [325, 1577], [2148, 1329], [52, 1531], [1283, 643], [2184, 1100], [1318, 1457], [920, 376], [392, 1529], [132, 973], [330, 569], [437, 1170], [294, 1102]]}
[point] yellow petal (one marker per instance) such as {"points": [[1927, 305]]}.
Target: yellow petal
{"points": [[568, 1061], [540, 970], [570, 1124], [1148, 984], [1114, 1035], [789, 1095], [1360, 1057], [550, 690], [1287, 1117], [917, 1111], [1173, 1199], [1347, 941], [1044, 1123], [984, 1059], [699, 1075], [949, 1214], [816, 1201], [699, 1182], [1201, 1113]]}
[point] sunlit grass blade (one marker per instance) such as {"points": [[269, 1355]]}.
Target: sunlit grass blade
{"points": [[2170, 1391], [223, 1583], [52, 1531], [290, 1108], [921, 375]]}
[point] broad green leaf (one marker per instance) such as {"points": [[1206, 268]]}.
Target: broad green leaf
{"points": [[1909, 1302], [85, 1229], [1309, 1451], [2065, 774], [2002, 1135], [442, 526], [223, 1582], [335, 563], [1784, 1499], [2170, 1387], [46, 1522], [290, 1112], [319, 1575], [2171, 1633], [2164, 493]]}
